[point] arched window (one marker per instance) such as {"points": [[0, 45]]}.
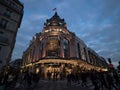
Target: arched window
{"points": [[52, 47], [66, 48], [85, 54], [41, 48], [79, 51]]}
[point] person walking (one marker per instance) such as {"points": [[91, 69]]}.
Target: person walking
{"points": [[116, 77], [84, 79], [49, 75], [28, 79], [35, 79], [102, 80], [110, 81], [69, 80], [94, 80]]}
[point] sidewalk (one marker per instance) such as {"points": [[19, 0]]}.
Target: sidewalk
{"points": [[56, 85]]}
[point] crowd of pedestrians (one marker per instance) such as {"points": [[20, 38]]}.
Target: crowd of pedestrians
{"points": [[10, 81], [100, 80]]}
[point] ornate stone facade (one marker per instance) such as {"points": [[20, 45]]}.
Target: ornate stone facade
{"points": [[11, 13], [56, 48]]}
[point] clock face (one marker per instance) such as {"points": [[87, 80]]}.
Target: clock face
{"points": [[52, 45]]}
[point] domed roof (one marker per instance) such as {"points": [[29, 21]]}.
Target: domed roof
{"points": [[55, 21]]}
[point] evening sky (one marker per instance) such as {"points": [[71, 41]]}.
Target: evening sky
{"points": [[96, 22]]}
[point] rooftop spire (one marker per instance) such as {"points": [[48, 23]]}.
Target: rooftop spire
{"points": [[55, 20], [56, 14]]}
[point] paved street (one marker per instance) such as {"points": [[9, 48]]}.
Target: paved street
{"points": [[57, 85]]}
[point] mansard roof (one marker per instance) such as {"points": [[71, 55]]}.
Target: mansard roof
{"points": [[55, 20]]}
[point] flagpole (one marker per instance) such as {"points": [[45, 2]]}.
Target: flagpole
{"points": [[55, 9]]}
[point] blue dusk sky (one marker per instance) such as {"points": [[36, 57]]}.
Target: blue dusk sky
{"points": [[96, 22]]}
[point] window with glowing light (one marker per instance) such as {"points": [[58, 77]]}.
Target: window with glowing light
{"points": [[52, 47]]}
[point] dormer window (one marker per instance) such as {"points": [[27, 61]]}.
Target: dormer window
{"points": [[60, 23], [46, 30], [48, 23]]}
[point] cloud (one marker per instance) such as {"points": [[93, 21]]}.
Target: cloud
{"points": [[96, 22], [29, 27], [103, 39], [38, 17]]}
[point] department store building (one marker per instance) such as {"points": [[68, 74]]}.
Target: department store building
{"points": [[56, 49]]}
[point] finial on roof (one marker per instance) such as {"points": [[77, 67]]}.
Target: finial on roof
{"points": [[56, 14]]}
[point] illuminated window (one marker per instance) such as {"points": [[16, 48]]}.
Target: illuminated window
{"points": [[46, 30], [60, 30], [52, 47]]}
